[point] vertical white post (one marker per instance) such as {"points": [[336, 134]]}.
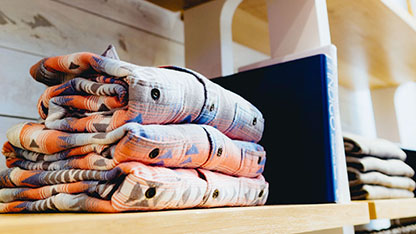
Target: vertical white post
{"points": [[208, 37], [297, 25], [405, 102]]}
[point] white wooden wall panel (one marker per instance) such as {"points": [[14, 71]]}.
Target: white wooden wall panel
{"points": [[49, 28], [139, 14], [46, 28], [20, 93], [6, 123]]}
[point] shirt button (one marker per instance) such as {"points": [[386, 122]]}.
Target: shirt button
{"points": [[154, 153], [215, 193], [155, 93], [150, 192], [219, 152], [254, 121], [212, 107], [261, 193]]}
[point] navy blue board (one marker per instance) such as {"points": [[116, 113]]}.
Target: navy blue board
{"points": [[293, 97]]}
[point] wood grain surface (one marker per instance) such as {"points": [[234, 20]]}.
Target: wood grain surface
{"points": [[392, 208], [266, 219]]}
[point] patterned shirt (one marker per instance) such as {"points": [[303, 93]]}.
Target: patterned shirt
{"points": [[180, 145], [122, 92], [129, 186]]}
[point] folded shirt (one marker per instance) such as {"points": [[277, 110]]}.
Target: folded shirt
{"points": [[370, 192], [129, 186], [392, 167], [356, 178], [117, 92], [359, 145], [32, 146]]}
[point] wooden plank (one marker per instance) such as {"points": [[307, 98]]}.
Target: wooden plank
{"points": [[20, 92], [5, 124], [392, 208], [266, 219], [49, 28], [139, 14], [327, 231]]}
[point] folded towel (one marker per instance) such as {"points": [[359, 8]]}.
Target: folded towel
{"points": [[122, 92], [358, 145], [378, 192], [356, 178], [392, 167], [129, 186], [182, 145]]}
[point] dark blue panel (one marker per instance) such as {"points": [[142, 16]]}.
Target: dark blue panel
{"points": [[293, 99]]}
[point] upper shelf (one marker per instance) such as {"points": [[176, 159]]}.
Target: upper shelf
{"points": [[376, 39], [277, 219], [376, 42]]}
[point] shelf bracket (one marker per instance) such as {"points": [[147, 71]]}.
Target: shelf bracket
{"points": [[297, 25], [297, 28], [394, 113], [385, 113]]}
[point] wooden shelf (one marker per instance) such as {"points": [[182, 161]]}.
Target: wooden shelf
{"points": [[278, 219], [391, 208]]}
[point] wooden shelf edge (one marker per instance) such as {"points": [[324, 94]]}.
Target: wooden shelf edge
{"points": [[392, 208], [278, 218]]}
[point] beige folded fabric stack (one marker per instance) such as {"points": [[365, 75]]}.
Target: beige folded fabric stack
{"points": [[376, 169]]}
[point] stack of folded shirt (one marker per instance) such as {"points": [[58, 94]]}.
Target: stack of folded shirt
{"points": [[119, 137], [376, 169]]}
